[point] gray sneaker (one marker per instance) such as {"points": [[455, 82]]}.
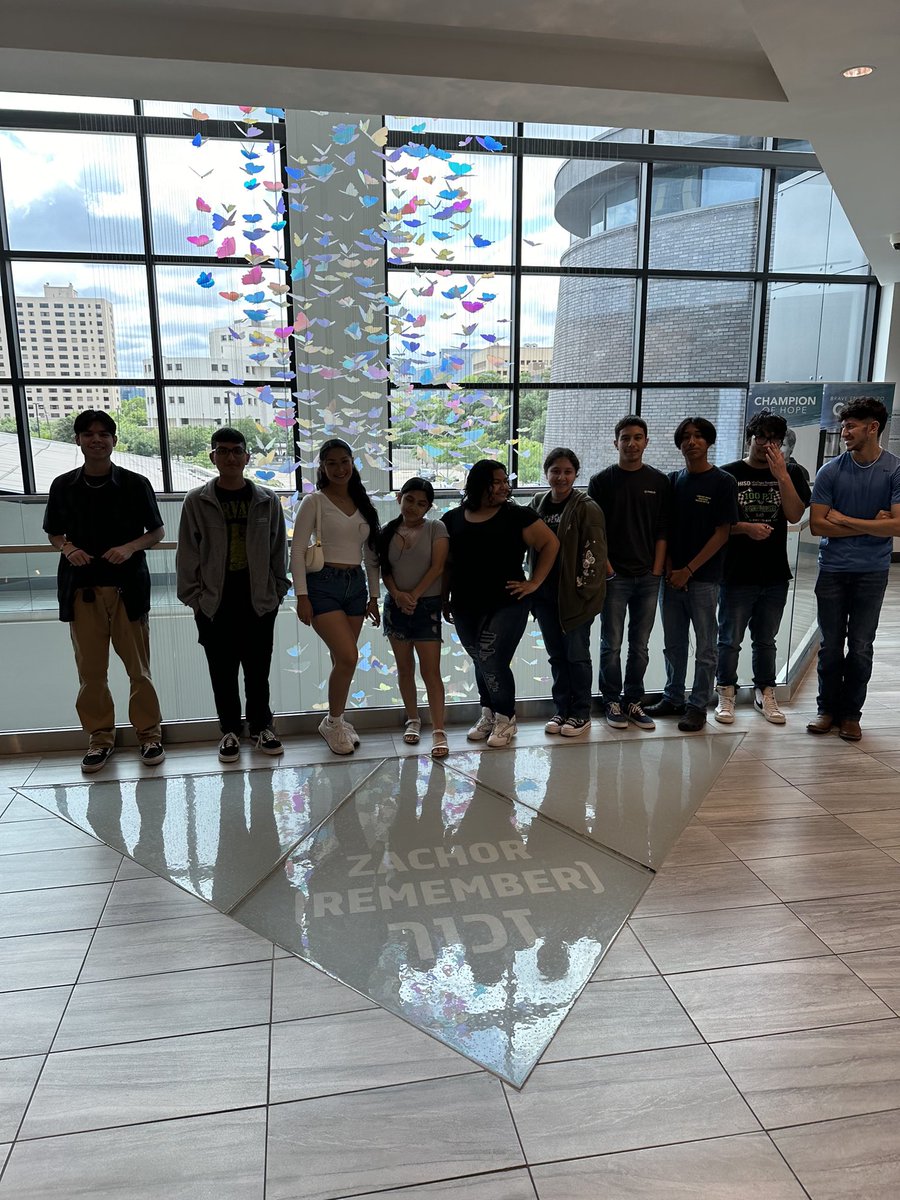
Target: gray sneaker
{"points": [[336, 735]]}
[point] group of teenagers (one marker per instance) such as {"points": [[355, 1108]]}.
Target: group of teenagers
{"points": [[705, 546]]}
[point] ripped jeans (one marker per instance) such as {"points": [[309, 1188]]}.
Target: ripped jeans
{"points": [[490, 640]]}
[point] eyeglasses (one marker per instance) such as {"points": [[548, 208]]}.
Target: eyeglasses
{"points": [[765, 437], [225, 451]]}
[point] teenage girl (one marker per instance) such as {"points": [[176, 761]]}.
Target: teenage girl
{"points": [[337, 599], [413, 553]]}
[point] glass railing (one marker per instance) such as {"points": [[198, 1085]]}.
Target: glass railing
{"points": [[38, 671]]}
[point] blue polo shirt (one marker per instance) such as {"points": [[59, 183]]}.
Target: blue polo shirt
{"points": [[858, 492]]}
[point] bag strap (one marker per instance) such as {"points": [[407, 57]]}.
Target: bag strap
{"points": [[318, 518]]}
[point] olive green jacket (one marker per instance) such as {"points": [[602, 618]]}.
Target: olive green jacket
{"points": [[582, 558]]}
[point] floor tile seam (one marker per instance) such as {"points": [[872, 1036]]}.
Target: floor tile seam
{"points": [[159, 1037], [62, 1016], [62, 886], [718, 1137], [621, 1054], [687, 912], [161, 1120], [755, 856], [390, 1189], [308, 835], [759, 962], [110, 925], [794, 1174], [152, 974], [555, 821], [475, 1070], [24, 820], [781, 1033], [877, 1112], [58, 849], [268, 1105]]}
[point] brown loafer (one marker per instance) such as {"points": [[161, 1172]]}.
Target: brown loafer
{"points": [[850, 731], [822, 724]]}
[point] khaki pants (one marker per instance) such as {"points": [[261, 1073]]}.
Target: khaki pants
{"points": [[95, 625]]}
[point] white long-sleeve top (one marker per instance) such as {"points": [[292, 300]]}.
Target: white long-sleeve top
{"points": [[343, 540]]}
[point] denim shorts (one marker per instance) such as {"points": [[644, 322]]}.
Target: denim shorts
{"points": [[424, 625], [338, 589]]}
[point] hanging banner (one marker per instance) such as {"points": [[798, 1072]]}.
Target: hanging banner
{"points": [[801, 406], [838, 394]]}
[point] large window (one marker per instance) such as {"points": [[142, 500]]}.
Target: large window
{"points": [[464, 288]]}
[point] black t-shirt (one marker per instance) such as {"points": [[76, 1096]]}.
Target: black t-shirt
{"points": [[235, 506], [551, 516], [634, 504], [95, 519], [759, 502], [700, 504], [485, 556]]}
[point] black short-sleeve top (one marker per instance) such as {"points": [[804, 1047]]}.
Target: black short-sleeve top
{"points": [[485, 556]]}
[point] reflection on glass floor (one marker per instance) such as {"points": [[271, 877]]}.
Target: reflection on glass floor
{"points": [[474, 900]]}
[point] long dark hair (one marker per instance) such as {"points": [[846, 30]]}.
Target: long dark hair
{"points": [[478, 481], [355, 488], [416, 484]]}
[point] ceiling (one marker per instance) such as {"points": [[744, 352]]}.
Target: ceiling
{"points": [[757, 66]]}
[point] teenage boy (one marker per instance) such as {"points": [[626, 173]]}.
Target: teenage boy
{"points": [[102, 518], [770, 493], [634, 498], [856, 511], [703, 509], [232, 572]]}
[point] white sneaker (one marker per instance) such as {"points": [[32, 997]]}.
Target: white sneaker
{"points": [[504, 731], [335, 734], [764, 701], [725, 707], [354, 736], [483, 727]]}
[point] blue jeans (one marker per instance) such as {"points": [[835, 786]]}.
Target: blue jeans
{"points": [[849, 605], [570, 660], [637, 596], [760, 606], [696, 606], [490, 640]]}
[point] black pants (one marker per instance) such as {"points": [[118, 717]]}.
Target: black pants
{"points": [[234, 639]]}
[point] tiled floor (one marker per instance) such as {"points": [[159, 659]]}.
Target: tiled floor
{"points": [[741, 1038]]}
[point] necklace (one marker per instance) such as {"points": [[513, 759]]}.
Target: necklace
{"points": [[96, 486]]}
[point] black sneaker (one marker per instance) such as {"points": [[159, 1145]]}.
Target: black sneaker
{"points": [[615, 718], [267, 742], [95, 758], [637, 716], [229, 748], [152, 754], [575, 725], [693, 720], [665, 708]]}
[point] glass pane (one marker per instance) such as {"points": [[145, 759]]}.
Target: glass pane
{"points": [[719, 141], [584, 419], [579, 213], [584, 326], [83, 319], [811, 232], [795, 144], [71, 191], [264, 415], [438, 434], [698, 329], [479, 232], [215, 112], [814, 331], [704, 218], [205, 336], [455, 343], [464, 126], [37, 102], [583, 133], [664, 408], [10, 466]]}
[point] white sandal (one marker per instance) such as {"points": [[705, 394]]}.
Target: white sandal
{"points": [[413, 729], [440, 749]]}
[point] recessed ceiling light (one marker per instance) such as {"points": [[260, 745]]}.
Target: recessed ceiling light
{"points": [[857, 72]]}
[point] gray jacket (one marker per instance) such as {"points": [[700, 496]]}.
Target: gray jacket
{"points": [[201, 560]]}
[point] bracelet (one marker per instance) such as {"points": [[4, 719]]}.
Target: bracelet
{"points": [[688, 568]]}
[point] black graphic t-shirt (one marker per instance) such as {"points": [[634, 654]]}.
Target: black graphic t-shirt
{"points": [[551, 516], [485, 556], [235, 509], [759, 502]]}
